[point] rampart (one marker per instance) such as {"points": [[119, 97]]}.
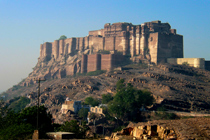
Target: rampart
{"points": [[100, 62], [154, 38]]}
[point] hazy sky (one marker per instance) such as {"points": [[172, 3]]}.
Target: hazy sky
{"points": [[25, 24]]}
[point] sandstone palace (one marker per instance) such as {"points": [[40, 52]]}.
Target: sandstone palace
{"points": [[152, 42]]}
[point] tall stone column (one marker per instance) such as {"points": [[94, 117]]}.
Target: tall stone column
{"points": [[61, 46], [86, 42], [124, 43], [142, 40], [55, 49], [138, 40], [84, 64], [41, 50], [133, 42]]}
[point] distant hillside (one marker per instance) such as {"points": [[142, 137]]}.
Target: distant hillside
{"points": [[174, 87]]}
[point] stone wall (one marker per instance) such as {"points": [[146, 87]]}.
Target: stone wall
{"points": [[169, 46], [100, 62], [156, 38], [106, 61], [93, 62], [97, 32], [46, 49], [193, 62], [73, 106]]}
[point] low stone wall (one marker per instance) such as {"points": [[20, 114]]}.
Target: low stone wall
{"points": [[193, 62]]}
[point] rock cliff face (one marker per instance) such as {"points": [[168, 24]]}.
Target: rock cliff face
{"points": [[154, 41]]}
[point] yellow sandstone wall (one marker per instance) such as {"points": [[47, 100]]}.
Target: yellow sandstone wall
{"points": [[193, 62]]}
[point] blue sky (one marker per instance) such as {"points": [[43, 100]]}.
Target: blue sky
{"points": [[25, 24]]}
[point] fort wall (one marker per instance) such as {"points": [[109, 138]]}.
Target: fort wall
{"points": [[61, 47], [126, 38], [55, 49], [110, 43], [153, 46], [193, 62], [97, 33], [106, 61], [100, 62], [96, 43], [46, 49], [169, 46], [94, 62], [84, 64]]}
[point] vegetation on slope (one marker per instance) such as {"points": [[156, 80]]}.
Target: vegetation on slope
{"points": [[21, 125], [19, 103]]}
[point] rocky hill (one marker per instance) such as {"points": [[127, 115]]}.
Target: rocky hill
{"points": [[176, 87], [184, 129], [152, 41]]}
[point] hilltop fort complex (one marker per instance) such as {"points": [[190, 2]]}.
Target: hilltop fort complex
{"points": [[154, 38], [105, 49]]}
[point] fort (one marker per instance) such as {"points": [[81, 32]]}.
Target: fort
{"points": [[106, 49], [153, 40]]}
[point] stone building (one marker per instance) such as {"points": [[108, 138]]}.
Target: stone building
{"points": [[71, 105], [193, 62], [96, 109], [153, 40]]}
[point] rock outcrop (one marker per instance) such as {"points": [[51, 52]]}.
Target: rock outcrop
{"points": [[185, 129]]}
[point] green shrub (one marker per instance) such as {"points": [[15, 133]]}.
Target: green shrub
{"points": [[106, 98], [62, 37], [16, 87], [166, 116], [185, 63], [91, 101], [104, 52]]}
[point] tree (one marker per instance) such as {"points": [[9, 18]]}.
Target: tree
{"points": [[29, 115], [91, 101], [22, 124], [19, 104], [83, 112], [128, 100], [74, 127], [71, 126], [62, 37], [106, 98]]}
